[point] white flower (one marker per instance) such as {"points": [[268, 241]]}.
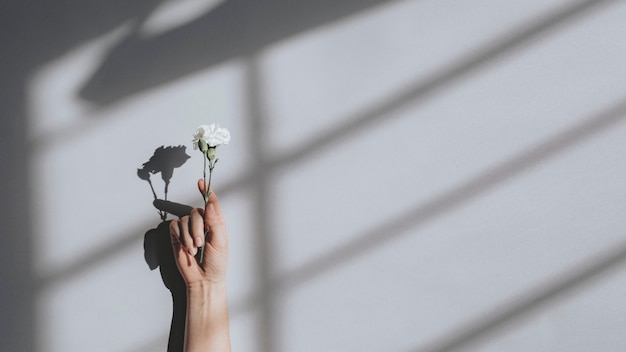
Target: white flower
{"points": [[212, 134]]}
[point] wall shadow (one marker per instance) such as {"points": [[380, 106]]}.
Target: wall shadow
{"points": [[17, 296], [261, 183], [233, 29], [528, 303], [158, 253], [33, 33], [420, 90], [397, 227]]}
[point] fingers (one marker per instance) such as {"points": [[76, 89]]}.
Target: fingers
{"points": [[197, 227], [185, 228], [181, 235], [175, 234]]}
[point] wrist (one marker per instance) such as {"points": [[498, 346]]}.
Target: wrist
{"points": [[206, 298], [206, 287], [207, 317]]}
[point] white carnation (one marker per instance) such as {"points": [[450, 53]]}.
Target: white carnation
{"points": [[212, 134]]}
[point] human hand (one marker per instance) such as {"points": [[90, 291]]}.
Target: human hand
{"points": [[187, 234]]}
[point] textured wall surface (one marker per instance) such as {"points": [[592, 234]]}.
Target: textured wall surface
{"points": [[403, 175]]}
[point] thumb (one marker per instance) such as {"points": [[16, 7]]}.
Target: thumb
{"points": [[212, 211]]}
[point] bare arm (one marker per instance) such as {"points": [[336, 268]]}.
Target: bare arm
{"points": [[207, 327]]}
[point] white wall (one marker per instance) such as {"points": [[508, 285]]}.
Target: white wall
{"points": [[403, 175]]}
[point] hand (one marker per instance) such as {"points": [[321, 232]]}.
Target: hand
{"points": [[188, 234]]}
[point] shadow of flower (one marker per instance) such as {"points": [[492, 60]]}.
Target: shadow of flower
{"points": [[164, 161]]}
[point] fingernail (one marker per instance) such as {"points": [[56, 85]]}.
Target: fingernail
{"points": [[199, 241], [192, 251]]}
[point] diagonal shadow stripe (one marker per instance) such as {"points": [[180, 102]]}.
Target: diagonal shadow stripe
{"points": [[92, 259], [232, 29], [523, 306], [422, 90], [505, 44], [397, 227], [530, 303]]}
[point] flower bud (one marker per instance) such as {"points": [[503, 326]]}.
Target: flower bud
{"points": [[202, 145], [210, 153]]}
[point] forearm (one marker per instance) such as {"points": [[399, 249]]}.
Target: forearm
{"points": [[207, 327]]}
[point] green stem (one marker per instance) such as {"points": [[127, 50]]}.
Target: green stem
{"points": [[207, 192], [206, 198]]}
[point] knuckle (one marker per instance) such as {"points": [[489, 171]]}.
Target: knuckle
{"points": [[173, 225]]}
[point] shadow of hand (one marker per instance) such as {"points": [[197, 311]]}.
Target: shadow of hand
{"points": [[158, 253]]}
